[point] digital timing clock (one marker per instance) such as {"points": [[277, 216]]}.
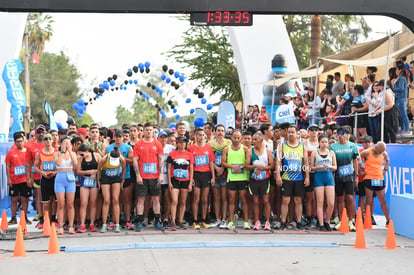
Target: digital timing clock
{"points": [[221, 18]]}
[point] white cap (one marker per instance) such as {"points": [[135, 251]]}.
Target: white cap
{"points": [[289, 95], [306, 84]]}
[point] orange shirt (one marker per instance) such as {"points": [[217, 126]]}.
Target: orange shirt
{"points": [[46, 162], [148, 153], [373, 166], [17, 161], [202, 157], [32, 149]]}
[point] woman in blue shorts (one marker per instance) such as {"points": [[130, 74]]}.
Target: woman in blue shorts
{"points": [[323, 162]]}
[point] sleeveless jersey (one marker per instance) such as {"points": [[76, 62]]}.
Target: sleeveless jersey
{"points": [[320, 160], [124, 149], [373, 166], [262, 160], [292, 162], [236, 158], [46, 162], [218, 153], [111, 170]]}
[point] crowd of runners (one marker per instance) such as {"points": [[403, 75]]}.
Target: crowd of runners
{"points": [[93, 178]]}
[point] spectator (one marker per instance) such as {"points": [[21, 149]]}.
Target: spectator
{"points": [[401, 91], [374, 104], [390, 113], [359, 105], [338, 87], [313, 112], [264, 116]]}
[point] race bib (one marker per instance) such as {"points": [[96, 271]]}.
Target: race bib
{"points": [[261, 176], [112, 172], [345, 170], [33, 170], [149, 168], [378, 183], [70, 176], [241, 170], [165, 172], [20, 170], [218, 155], [362, 164], [201, 160], [294, 165], [181, 174], [88, 182], [48, 166]]}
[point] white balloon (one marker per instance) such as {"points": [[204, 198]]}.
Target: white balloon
{"points": [[61, 116], [64, 125], [187, 125], [184, 95]]}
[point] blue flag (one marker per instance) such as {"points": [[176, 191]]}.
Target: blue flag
{"points": [[49, 113]]}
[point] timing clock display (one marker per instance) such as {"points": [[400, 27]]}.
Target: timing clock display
{"points": [[222, 18]]}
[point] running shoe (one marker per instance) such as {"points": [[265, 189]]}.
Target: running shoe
{"points": [[36, 218], [283, 226], [223, 224], [351, 226], [81, 229], [60, 231], [337, 226], [373, 222], [205, 225], [129, 226], [327, 226], [291, 225], [29, 222], [104, 228], [387, 223], [92, 228], [246, 226], [277, 224], [39, 225], [300, 226], [173, 227], [216, 223], [145, 222], [71, 230], [267, 226], [335, 220], [111, 226], [138, 226], [165, 223], [257, 225], [158, 225], [181, 225], [13, 220], [231, 226], [322, 228], [117, 228], [196, 225]]}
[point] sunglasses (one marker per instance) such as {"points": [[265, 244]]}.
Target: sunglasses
{"points": [[341, 133], [82, 154], [47, 138], [313, 129]]}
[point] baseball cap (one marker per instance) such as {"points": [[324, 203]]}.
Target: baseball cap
{"points": [[40, 128], [289, 95], [367, 139], [313, 126], [82, 131], [306, 84], [162, 133], [118, 133], [181, 139]]}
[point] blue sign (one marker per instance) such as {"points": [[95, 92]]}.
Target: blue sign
{"points": [[4, 194], [201, 113], [49, 113], [226, 114], [15, 94]]}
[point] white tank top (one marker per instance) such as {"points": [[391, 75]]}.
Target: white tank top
{"points": [[66, 163]]}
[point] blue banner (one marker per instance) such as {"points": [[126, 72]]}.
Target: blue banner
{"points": [[4, 194], [49, 113], [199, 112], [15, 94], [226, 114]]}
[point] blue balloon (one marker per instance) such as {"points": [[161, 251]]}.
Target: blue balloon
{"points": [[59, 125], [174, 110], [203, 101], [168, 80], [162, 112], [209, 106], [125, 87], [192, 111], [188, 100], [75, 106], [147, 64], [176, 74], [130, 81], [81, 111], [112, 82], [100, 85], [182, 78], [163, 76], [199, 122], [79, 115], [177, 117], [172, 124], [106, 86], [164, 116], [161, 92], [105, 82], [141, 66]]}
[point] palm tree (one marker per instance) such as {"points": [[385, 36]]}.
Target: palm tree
{"points": [[40, 30]]}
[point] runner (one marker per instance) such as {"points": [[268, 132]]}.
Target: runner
{"points": [[345, 177], [94, 143], [259, 162], [33, 178], [291, 161], [247, 139], [219, 143], [234, 159], [204, 176], [312, 145], [46, 167], [180, 174], [16, 177], [376, 165], [148, 168], [209, 131], [127, 188], [87, 168], [111, 178], [323, 163], [165, 191]]}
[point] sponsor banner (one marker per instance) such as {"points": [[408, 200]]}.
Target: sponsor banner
{"points": [[226, 114]]}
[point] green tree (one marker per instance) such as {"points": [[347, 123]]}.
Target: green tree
{"points": [[335, 34], [54, 80], [208, 53], [40, 30], [85, 119]]}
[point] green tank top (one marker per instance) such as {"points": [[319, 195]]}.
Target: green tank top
{"points": [[99, 145], [236, 158]]}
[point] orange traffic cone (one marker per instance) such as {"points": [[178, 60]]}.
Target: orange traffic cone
{"points": [[53, 241], [390, 243], [359, 219], [46, 225], [360, 236], [344, 222], [19, 250], [22, 223], [4, 224], [368, 221]]}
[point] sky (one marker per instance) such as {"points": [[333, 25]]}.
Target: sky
{"points": [[101, 45]]}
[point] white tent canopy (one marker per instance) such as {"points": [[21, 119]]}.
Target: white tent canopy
{"points": [[287, 77]]}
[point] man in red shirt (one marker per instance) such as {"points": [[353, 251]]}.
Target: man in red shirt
{"points": [[16, 177], [33, 178], [148, 157]]}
